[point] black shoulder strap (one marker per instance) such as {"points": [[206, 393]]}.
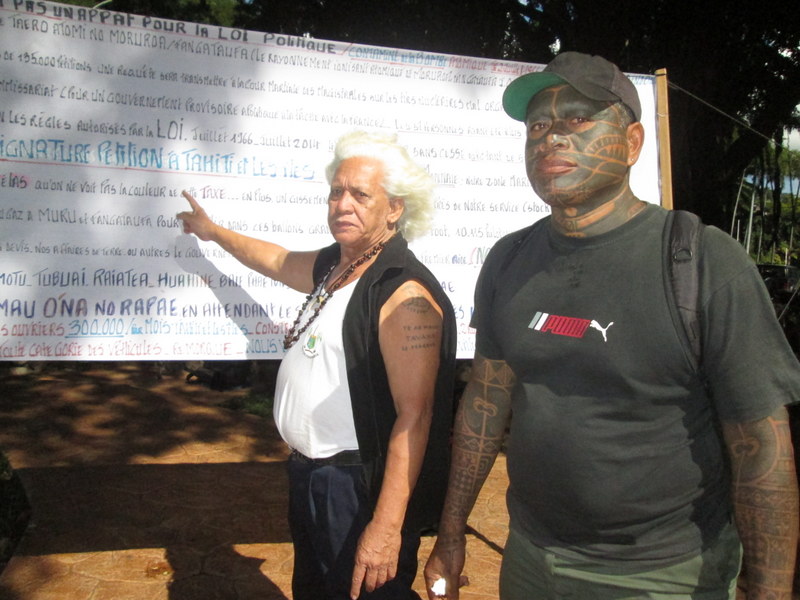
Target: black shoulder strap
{"points": [[682, 243]]}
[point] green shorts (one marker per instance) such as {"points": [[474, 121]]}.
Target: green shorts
{"points": [[529, 572]]}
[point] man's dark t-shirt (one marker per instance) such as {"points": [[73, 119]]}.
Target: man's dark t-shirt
{"points": [[615, 450]]}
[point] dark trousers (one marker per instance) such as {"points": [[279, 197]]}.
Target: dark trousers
{"points": [[328, 511]]}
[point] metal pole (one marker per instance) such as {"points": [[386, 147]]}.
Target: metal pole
{"points": [[749, 232], [736, 204]]}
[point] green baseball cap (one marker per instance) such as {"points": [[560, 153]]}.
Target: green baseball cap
{"points": [[592, 76]]}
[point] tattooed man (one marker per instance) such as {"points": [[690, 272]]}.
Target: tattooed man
{"points": [[631, 474], [364, 392]]}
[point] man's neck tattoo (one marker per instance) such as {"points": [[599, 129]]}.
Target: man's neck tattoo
{"points": [[605, 217], [577, 225]]}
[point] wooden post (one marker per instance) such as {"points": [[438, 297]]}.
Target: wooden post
{"points": [[664, 151]]}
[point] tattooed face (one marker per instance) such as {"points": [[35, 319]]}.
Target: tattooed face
{"points": [[576, 150]]}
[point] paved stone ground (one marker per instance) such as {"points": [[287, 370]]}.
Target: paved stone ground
{"points": [[144, 487]]}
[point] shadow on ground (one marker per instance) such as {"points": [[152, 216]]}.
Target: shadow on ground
{"points": [[121, 413], [137, 477]]}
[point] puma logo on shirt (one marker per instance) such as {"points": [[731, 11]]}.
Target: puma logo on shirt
{"points": [[569, 326]]}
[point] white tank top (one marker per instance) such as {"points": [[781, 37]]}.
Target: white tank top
{"points": [[312, 407]]}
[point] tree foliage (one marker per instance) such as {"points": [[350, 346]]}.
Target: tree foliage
{"points": [[214, 12], [770, 188], [465, 27]]}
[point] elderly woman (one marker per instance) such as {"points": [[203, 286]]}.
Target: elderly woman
{"points": [[364, 392]]}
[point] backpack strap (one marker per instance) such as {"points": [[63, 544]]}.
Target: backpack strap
{"points": [[682, 243]]}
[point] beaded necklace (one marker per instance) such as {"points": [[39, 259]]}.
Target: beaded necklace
{"points": [[322, 298]]}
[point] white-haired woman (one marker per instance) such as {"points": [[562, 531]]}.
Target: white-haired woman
{"points": [[364, 393]]}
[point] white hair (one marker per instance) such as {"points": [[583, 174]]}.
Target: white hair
{"points": [[403, 178]]}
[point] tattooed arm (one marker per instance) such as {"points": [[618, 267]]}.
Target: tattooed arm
{"points": [[481, 420], [410, 337], [765, 503]]}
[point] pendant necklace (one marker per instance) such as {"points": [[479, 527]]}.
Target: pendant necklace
{"points": [[321, 296]]}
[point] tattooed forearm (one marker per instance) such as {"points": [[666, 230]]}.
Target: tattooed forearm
{"points": [[480, 426], [765, 502]]}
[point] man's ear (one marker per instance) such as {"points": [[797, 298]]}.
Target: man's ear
{"points": [[396, 208], [635, 137]]}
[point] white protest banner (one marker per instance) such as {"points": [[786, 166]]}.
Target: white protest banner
{"points": [[105, 117]]}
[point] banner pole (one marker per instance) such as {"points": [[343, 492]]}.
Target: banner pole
{"points": [[664, 150]]}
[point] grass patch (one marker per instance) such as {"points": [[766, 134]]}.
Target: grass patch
{"points": [[254, 403]]}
